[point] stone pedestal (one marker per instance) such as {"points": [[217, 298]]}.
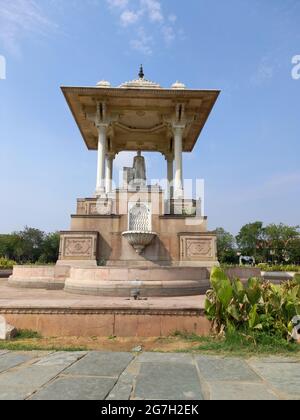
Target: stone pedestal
{"points": [[97, 258], [78, 248]]}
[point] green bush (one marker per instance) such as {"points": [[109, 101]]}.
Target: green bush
{"points": [[267, 267], [6, 264], [30, 246], [258, 306]]}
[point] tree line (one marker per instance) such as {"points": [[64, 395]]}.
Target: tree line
{"points": [[273, 244], [30, 246]]}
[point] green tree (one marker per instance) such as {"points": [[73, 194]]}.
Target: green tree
{"points": [[279, 240], [31, 244], [226, 246], [50, 248], [293, 251], [250, 240], [12, 247], [5, 246]]}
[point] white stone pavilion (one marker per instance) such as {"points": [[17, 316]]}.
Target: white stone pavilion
{"points": [[135, 237]]}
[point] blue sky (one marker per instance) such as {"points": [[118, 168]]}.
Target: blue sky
{"points": [[249, 151]]}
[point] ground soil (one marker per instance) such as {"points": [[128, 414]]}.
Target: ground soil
{"points": [[165, 344]]}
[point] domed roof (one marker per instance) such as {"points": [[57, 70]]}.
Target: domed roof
{"points": [[178, 85], [103, 84], [140, 83]]}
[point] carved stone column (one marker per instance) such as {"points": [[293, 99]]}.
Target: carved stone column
{"points": [[100, 186], [170, 176], [109, 173], [178, 183]]}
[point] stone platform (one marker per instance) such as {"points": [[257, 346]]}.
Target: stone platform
{"points": [[114, 281], [58, 313]]}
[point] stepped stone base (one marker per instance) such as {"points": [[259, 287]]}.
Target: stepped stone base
{"points": [[39, 277], [114, 281], [59, 313], [121, 282]]}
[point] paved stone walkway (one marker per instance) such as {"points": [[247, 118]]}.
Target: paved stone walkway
{"points": [[113, 376]]}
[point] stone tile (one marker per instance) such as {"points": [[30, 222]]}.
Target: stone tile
{"points": [[123, 388], [284, 377], [240, 391], [10, 360], [274, 359], [101, 364], [21, 383], [214, 368], [165, 357], [121, 391], [61, 358], [167, 381], [76, 388]]}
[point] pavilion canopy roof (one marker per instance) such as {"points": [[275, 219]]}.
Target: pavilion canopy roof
{"points": [[141, 116]]}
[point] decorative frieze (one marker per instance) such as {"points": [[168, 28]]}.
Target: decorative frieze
{"points": [[97, 207], [78, 246], [197, 247], [74, 247], [100, 311]]}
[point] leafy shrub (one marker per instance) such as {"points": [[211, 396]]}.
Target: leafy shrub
{"points": [[30, 246], [267, 267], [258, 306], [6, 264]]}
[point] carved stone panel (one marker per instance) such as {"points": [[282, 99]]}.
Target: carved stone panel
{"points": [[81, 207], [101, 207], [78, 245], [197, 247]]}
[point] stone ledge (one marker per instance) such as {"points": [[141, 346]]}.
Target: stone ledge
{"points": [[101, 311], [120, 324], [95, 216], [181, 216]]}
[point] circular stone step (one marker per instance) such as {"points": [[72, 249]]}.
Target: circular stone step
{"points": [[148, 282]]}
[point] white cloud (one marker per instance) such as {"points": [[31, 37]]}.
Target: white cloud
{"points": [[168, 34], [128, 17], [143, 43], [118, 3], [20, 18], [153, 9], [264, 73], [145, 13], [172, 18]]}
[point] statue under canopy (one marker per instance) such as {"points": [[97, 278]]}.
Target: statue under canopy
{"points": [[136, 176], [139, 169]]}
